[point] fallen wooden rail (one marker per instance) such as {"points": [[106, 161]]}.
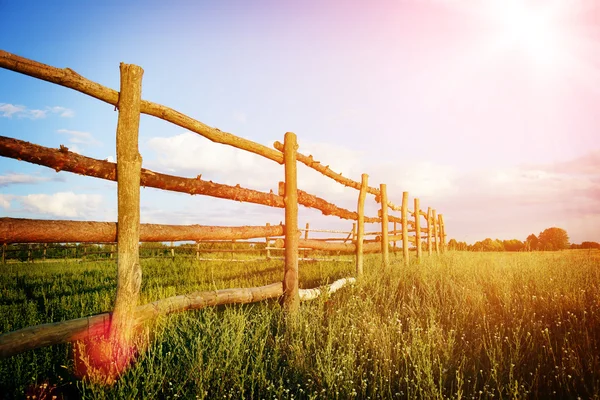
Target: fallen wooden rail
{"points": [[32, 337], [310, 294]]}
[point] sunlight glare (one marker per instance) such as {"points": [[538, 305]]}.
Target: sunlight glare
{"points": [[533, 31]]}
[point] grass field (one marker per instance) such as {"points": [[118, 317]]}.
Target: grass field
{"points": [[461, 325]]}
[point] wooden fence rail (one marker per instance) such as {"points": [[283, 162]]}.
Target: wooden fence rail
{"points": [[17, 230], [128, 232]]}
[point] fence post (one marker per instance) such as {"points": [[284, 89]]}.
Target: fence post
{"points": [[306, 237], [442, 229], [435, 232], [197, 251], [385, 226], [395, 234], [3, 253], [129, 163], [429, 231], [267, 240], [354, 232], [45, 248], [405, 252], [29, 260], [360, 232], [233, 249], [418, 230], [291, 299]]}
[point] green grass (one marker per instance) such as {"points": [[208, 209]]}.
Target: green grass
{"points": [[461, 325]]}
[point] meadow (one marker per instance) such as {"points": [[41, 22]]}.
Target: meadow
{"points": [[459, 325]]}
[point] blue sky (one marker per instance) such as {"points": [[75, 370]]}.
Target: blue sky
{"points": [[485, 110]]}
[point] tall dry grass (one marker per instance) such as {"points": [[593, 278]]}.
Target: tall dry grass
{"points": [[461, 325]]}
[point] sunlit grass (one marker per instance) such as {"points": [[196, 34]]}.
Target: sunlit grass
{"points": [[461, 325]]}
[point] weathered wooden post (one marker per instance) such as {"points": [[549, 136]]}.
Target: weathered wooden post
{"points": [[291, 299], [112, 250], [395, 235], [360, 231], [172, 251], [435, 232], [44, 254], [129, 163], [442, 229], [429, 231], [197, 250], [418, 230], [385, 243], [354, 232], [29, 259], [306, 236], [3, 253], [267, 245], [405, 227]]}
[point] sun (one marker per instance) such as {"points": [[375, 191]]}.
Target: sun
{"points": [[535, 32], [531, 31]]}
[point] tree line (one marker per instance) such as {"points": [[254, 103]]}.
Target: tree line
{"points": [[550, 239]]}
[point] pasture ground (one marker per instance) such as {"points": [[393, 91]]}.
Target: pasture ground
{"points": [[459, 325]]}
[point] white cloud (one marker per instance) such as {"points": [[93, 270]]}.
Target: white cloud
{"points": [[62, 111], [190, 154], [34, 114], [15, 178], [63, 204], [8, 110], [78, 137], [5, 200], [75, 149]]}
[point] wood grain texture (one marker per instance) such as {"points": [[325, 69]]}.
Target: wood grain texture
{"points": [[129, 165]]}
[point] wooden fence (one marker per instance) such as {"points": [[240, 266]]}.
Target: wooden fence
{"points": [[201, 250], [128, 231]]}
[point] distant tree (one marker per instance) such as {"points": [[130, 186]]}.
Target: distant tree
{"points": [[498, 245], [513, 245], [553, 239], [589, 245], [532, 243], [452, 244], [488, 245]]}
